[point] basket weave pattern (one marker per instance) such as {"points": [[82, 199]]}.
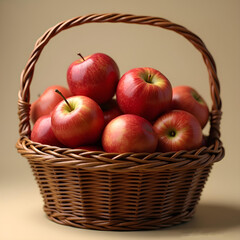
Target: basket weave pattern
{"points": [[129, 191]]}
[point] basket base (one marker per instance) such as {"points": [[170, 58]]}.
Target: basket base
{"points": [[116, 224]]}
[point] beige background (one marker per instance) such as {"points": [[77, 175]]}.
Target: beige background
{"points": [[217, 22]]}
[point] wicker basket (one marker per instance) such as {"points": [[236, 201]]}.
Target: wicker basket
{"points": [[129, 191]]}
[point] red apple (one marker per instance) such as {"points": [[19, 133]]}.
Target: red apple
{"points": [[145, 92], [111, 110], [188, 99], [95, 76], [129, 133], [77, 121], [47, 102], [178, 130], [42, 132]]}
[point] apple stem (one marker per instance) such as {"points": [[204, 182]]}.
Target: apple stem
{"points": [[80, 55], [149, 77], [172, 133], [57, 91], [197, 97]]}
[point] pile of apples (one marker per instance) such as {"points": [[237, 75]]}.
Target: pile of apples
{"points": [[139, 112]]}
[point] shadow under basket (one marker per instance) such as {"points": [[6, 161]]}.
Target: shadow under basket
{"points": [[128, 191]]}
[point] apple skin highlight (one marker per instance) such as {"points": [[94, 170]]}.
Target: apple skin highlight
{"points": [[81, 126], [96, 76], [129, 133], [42, 132], [45, 104], [188, 99], [186, 128], [144, 92]]}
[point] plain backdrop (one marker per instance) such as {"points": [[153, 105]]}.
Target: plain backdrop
{"points": [[216, 22]]}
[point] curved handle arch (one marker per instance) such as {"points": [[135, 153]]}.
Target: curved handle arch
{"points": [[28, 71]]}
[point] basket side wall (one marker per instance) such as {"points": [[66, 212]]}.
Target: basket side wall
{"points": [[120, 201]]}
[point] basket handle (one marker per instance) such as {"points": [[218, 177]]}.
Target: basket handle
{"points": [[28, 71]]}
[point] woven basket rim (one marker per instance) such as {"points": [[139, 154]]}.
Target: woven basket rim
{"points": [[125, 162]]}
